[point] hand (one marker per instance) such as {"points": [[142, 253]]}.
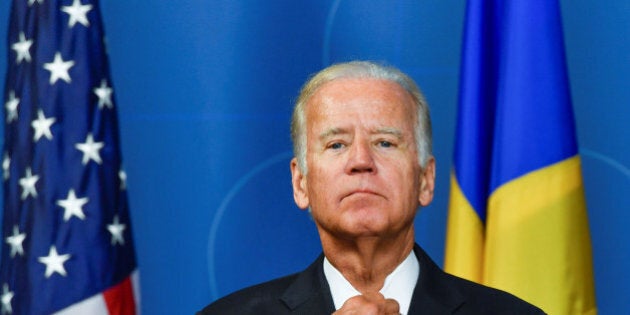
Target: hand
{"points": [[370, 304]]}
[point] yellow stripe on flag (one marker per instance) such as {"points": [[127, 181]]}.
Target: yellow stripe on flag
{"points": [[464, 239], [538, 242]]}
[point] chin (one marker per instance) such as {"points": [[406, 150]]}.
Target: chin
{"points": [[365, 227]]}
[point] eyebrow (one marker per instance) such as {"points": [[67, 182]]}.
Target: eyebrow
{"points": [[331, 132], [389, 131], [385, 130]]}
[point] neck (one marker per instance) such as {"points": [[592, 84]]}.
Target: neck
{"points": [[366, 261]]}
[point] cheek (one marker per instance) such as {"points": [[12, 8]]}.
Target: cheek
{"points": [[408, 182], [321, 185]]}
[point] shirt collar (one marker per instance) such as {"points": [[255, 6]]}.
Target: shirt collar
{"points": [[399, 284]]}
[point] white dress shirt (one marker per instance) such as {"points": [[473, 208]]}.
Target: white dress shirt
{"points": [[399, 284]]}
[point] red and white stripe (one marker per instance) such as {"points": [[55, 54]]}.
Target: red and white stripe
{"points": [[121, 299]]}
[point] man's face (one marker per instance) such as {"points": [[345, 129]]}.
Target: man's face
{"points": [[364, 178]]}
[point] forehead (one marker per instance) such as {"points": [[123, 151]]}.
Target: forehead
{"points": [[363, 85], [361, 97]]}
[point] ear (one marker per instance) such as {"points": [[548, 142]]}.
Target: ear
{"points": [[298, 180], [427, 183]]}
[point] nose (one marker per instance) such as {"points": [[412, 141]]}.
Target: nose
{"points": [[360, 159]]}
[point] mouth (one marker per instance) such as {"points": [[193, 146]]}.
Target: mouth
{"points": [[361, 193], [361, 199]]}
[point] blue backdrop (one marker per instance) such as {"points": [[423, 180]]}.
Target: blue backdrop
{"points": [[205, 90]]}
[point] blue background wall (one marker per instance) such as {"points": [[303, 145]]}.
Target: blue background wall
{"points": [[205, 88]]}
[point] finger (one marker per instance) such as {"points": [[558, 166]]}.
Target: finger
{"points": [[390, 306], [369, 304], [385, 306], [354, 305], [374, 296]]}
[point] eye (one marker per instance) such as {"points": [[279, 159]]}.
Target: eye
{"points": [[336, 145], [385, 144]]}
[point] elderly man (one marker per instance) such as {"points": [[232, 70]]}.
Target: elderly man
{"points": [[363, 166]]}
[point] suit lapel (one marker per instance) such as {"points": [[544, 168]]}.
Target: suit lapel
{"points": [[433, 294], [309, 293]]}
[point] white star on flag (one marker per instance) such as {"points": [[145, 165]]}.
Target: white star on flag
{"points": [[6, 163], [28, 184], [73, 206], [78, 13], [116, 229], [15, 241], [123, 179], [11, 105], [6, 298], [90, 149], [59, 69], [104, 94], [42, 126], [22, 48], [54, 262]]}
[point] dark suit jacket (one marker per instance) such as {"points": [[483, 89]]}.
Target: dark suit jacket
{"points": [[307, 292]]}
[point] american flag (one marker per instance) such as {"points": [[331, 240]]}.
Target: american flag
{"points": [[67, 245]]}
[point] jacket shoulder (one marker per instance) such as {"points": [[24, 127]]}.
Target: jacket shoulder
{"points": [[442, 292], [264, 298], [480, 299]]}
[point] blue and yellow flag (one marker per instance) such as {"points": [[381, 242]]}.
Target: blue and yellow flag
{"points": [[517, 215]]}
